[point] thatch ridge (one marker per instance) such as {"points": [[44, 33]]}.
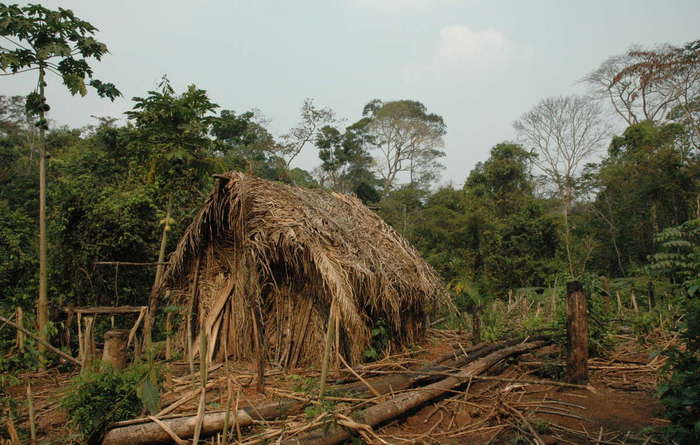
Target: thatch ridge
{"points": [[266, 232]]}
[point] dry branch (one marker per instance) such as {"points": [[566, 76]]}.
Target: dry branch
{"points": [[45, 343], [396, 406]]}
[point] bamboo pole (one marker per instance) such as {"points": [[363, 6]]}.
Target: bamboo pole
{"points": [[153, 296], [190, 307], [259, 351], [203, 374], [327, 348], [32, 417]]}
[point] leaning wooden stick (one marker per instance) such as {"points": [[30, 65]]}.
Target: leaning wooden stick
{"points": [[45, 343], [359, 377], [327, 349]]}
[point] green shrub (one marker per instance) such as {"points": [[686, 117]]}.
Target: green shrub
{"points": [[381, 337], [95, 399], [680, 394]]}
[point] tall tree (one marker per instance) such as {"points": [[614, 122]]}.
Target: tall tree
{"points": [[675, 73], [632, 100], [246, 144], [644, 185], [311, 121], [408, 139], [345, 163], [563, 132], [49, 42], [658, 85], [172, 133]]}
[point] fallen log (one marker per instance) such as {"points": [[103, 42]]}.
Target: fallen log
{"points": [[330, 434], [149, 432], [152, 433]]}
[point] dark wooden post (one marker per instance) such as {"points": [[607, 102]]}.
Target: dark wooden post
{"points": [[606, 292], [476, 325], [577, 333], [650, 293]]}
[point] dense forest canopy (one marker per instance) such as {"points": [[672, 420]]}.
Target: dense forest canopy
{"points": [[537, 208]]}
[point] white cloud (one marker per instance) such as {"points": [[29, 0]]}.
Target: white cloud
{"points": [[462, 48]]}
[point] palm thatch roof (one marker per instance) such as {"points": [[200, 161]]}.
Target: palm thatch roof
{"points": [[284, 254]]}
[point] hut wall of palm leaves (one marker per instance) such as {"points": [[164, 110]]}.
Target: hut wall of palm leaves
{"points": [[286, 253]]}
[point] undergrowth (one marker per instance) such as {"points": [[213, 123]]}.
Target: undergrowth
{"points": [[94, 399]]}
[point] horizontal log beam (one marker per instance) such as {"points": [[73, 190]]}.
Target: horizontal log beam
{"points": [[128, 263], [104, 309]]}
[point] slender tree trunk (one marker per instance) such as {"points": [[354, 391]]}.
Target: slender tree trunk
{"points": [[153, 297], [567, 232], [43, 301]]}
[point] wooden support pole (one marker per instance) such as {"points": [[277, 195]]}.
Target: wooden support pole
{"points": [[577, 334], [327, 349], [70, 317], [259, 348], [633, 298], [19, 318], [89, 347], [168, 340], [619, 302], [650, 294]]}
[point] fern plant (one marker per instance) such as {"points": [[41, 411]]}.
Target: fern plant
{"points": [[678, 255]]}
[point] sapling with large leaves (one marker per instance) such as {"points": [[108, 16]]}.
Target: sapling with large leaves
{"points": [[44, 42]]}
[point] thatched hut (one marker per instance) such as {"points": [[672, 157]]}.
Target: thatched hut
{"points": [[267, 256]]}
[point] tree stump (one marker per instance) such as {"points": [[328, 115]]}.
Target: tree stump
{"points": [[577, 334], [115, 352]]}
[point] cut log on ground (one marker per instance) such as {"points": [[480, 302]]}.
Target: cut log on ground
{"points": [[331, 434], [212, 423]]}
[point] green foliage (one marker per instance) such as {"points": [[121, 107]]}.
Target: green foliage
{"points": [[494, 231], [381, 337], [680, 394], [95, 399], [345, 161], [307, 385], [53, 41], [647, 183], [678, 253]]}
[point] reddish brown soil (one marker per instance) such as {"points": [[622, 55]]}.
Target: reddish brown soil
{"points": [[620, 408]]}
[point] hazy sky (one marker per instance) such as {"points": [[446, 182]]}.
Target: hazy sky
{"points": [[479, 64]]}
